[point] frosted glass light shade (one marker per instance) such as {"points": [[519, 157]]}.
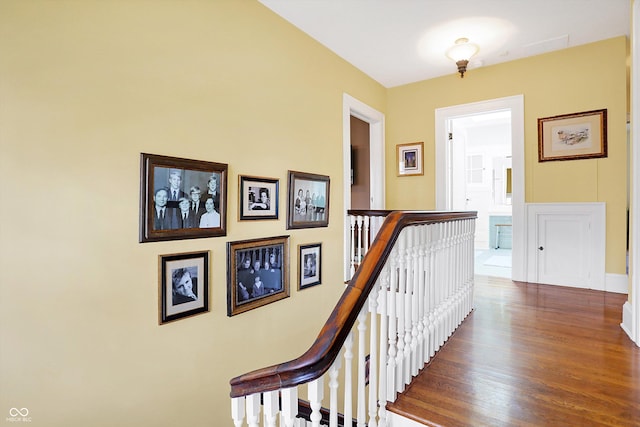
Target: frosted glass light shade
{"points": [[462, 50]]}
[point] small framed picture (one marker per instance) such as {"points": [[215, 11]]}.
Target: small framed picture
{"points": [[257, 273], [308, 201], [573, 136], [181, 198], [184, 285], [259, 198], [309, 265], [410, 159]]}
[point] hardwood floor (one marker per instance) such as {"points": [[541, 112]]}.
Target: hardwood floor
{"points": [[531, 355]]}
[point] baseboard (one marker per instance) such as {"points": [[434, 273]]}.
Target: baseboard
{"points": [[627, 318], [617, 283], [397, 420]]}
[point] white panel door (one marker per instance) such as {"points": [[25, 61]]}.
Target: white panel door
{"points": [[563, 249]]}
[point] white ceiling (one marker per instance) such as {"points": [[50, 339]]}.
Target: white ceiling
{"points": [[403, 41]]}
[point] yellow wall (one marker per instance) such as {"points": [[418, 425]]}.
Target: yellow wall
{"points": [[584, 78], [85, 87]]}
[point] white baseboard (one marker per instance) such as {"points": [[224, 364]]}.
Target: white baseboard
{"points": [[618, 283], [395, 420], [627, 318]]}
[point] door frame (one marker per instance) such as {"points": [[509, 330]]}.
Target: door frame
{"points": [[633, 329], [353, 107], [443, 167]]}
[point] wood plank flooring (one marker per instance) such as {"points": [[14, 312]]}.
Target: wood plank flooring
{"points": [[531, 355]]}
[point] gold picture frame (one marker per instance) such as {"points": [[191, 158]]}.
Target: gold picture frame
{"points": [[573, 136], [257, 273], [410, 159]]}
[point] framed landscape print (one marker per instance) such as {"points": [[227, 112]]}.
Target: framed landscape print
{"points": [[410, 159], [181, 198], [259, 198], [257, 273], [573, 136], [308, 200], [183, 285], [309, 265]]}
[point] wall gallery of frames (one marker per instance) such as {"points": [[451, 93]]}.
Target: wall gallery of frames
{"points": [[187, 199]]}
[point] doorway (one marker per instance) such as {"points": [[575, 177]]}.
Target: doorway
{"points": [[481, 181], [453, 168], [360, 173], [353, 108]]}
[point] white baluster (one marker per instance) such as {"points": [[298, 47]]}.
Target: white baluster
{"points": [[366, 234], [359, 234], [270, 403], [333, 392], [237, 410], [384, 333], [289, 402], [373, 355], [419, 306], [415, 296], [362, 331], [433, 260], [392, 351], [316, 394], [348, 387], [407, 310], [253, 409], [402, 285]]}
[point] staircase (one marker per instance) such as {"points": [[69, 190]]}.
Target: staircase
{"points": [[410, 289]]}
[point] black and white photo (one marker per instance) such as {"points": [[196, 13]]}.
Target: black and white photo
{"points": [[308, 201], [309, 265], [259, 198], [181, 198], [183, 285], [257, 273]]}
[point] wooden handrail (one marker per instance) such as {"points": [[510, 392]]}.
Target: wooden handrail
{"points": [[322, 353], [366, 212]]}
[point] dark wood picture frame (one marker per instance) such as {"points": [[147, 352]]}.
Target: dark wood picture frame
{"points": [[573, 136], [183, 285], [308, 200], [309, 265], [259, 198], [173, 184], [250, 284]]}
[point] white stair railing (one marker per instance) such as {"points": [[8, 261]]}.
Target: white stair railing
{"points": [[363, 229], [419, 291]]}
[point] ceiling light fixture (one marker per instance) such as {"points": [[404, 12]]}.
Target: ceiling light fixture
{"points": [[461, 52]]}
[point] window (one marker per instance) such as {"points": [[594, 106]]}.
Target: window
{"points": [[475, 169]]}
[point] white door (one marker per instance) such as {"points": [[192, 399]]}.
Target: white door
{"points": [[567, 244], [563, 249]]}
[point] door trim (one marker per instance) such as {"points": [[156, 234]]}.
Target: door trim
{"points": [[443, 180], [353, 107]]}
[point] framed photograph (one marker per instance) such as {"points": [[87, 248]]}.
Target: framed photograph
{"points": [[410, 159], [308, 204], [309, 265], [259, 198], [257, 273], [181, 198], [573, 136], [184, 285]]}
